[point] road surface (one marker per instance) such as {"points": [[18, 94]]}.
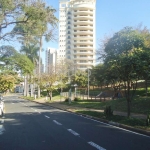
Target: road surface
{"points": [[32, 126]]}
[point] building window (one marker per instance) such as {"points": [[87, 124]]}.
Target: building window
{"points": [[63, 5], [83, 61], [83, 56]]}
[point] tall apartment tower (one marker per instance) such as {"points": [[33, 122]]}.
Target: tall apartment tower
{"points": [[77, 32], [50, 59]]}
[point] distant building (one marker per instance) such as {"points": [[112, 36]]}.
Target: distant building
{"points": [[50, 59], [19, 88]]}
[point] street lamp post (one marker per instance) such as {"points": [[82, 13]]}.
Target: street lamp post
{"points": [[89, 73]]}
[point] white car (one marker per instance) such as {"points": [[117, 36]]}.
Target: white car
{"points": [[2, 106]]}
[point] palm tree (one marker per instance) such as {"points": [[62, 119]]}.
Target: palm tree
{"points": [[31, 50]]}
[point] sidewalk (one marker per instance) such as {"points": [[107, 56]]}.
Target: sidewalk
{"points": [[59, 105]]}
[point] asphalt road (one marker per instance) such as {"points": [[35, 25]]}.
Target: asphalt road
{"points": [[31, 126]]}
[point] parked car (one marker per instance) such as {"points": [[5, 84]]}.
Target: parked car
{"points": [[2, 106]]}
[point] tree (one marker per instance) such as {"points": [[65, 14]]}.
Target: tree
{"points": [[121, 52], [50, 81], [31, 51], [80, 78], [6, 82], [22, 12], [35, 30]]}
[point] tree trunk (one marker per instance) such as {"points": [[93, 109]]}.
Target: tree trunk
{"points": [[128, 106], [32, 94], [39, 91], [146, 86], [128, 98], [25, 85], [49, 94]]}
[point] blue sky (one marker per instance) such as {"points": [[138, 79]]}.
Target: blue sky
{"points": [[111, 16]]}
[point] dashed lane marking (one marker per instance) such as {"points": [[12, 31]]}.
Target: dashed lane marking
{"points": [[47, 116], [57, 122], [96, 146], [2, 121], [2, 129], [73, 132]]}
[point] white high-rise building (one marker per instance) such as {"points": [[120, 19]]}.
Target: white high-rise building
{"points": [[51, 58], [77, 32]]}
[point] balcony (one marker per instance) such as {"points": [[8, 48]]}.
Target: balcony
{"points": [[88, 37], [83, 17], [83, 12], [83, 48], [83, 32], [77, 27], [86, 42], [83, 22]]}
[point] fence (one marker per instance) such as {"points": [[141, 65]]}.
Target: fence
{"points": [[84, 96]]}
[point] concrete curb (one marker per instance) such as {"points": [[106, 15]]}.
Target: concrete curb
{"points": [[140, 131]]}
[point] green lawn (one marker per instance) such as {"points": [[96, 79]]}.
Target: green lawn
{"points": [[138, 105]]}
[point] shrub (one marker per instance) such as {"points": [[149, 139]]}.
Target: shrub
{"points": [[108, 111], [66, 99], [76, 99], [148, 120]]}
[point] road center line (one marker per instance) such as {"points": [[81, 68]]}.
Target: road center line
{"points": [[1, 129], [47, 116], [96, 146], [2, 121], [57, 122], [73, 132]]}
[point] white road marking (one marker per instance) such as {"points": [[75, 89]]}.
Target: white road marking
{"points": [[57, 122], [115, 126], [32, 108], [39, 112], [35, 110], [12, 103], [96, 146], [2, 121], [73, 132], [47, 116], [1, 129]]}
